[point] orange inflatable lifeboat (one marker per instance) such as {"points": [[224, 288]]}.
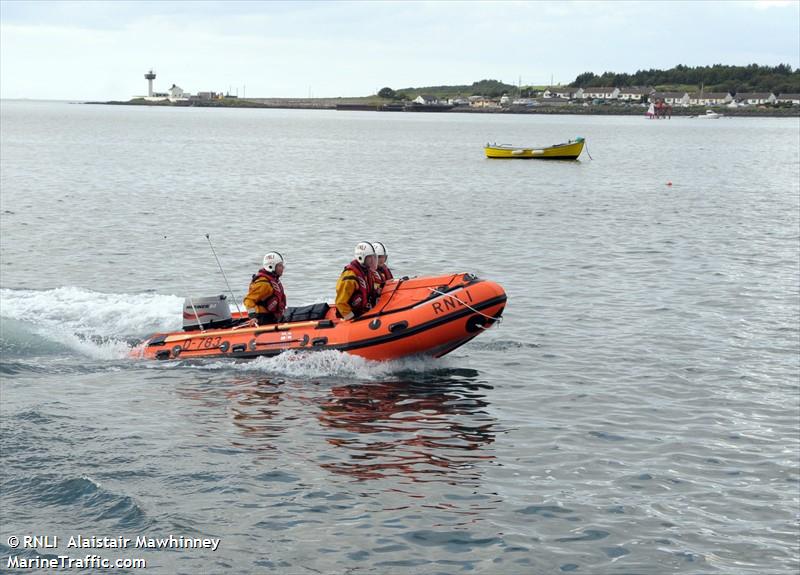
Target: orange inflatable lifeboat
{"points": [[430, 315]]}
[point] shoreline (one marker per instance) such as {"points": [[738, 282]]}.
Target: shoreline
{"points": [[358, 104]]}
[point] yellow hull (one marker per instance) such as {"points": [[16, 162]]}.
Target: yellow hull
{"points": [[568, 151]]}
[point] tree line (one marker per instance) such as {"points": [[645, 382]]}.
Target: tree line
{"points": [[780, 79], [487, 88]]}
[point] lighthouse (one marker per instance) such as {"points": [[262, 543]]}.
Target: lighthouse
{"points": [[150, 76]]}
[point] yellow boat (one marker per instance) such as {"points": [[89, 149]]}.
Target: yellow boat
{"points": [[567, 151]]}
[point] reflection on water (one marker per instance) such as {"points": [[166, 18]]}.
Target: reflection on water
{"points": [[426, 431], [417, 427], [252, 404], [256, 412]]}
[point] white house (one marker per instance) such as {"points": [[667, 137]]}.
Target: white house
{"points": [[789, 98], [562, 92], [709, 98], [505, 100], [426, 100], [755, 98], [634, 93], [176, 93], [600, 93], [569, 93], [671, 98]]}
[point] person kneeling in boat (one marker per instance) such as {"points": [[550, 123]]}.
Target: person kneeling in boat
{"points": [[265, 300], [356, 285]]}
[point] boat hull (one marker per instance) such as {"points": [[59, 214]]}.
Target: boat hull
{"points": [[568, 151], [420, 316]]}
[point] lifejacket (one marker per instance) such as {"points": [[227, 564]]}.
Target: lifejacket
{"points": [[361, 300], [377, 284], [384, 273], [379, 277], [275, 303]]}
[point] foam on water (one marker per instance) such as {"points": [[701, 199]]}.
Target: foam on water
{"points": [[94, 324], [20, 339], [103, 326], [318, 364]]}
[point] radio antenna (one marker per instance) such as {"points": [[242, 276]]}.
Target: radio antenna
{"points": [[213, 251], [194, 309]]}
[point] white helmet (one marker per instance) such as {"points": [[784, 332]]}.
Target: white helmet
{"points": [[364, 249], [271, 261], [380, 249]]}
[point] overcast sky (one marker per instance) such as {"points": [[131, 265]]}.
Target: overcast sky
{"points": [[101, 50]]}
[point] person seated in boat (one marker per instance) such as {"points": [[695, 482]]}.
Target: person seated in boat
{"points": [[356, 285], [384, 273], [265, 300]]}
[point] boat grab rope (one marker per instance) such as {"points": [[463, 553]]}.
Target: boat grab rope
{"points": [[394, 291], [465, 304], [585, 145]]}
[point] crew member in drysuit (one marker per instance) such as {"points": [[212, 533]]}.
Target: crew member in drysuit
{"points": [[356, 285], [384, 273], [265, 300]]}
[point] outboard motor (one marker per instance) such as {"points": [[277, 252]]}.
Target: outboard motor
{"points": [[206, 312]]}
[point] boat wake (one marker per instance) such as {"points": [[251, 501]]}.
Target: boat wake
{"points": [[97, 325], [105, 327], [317, 365]]}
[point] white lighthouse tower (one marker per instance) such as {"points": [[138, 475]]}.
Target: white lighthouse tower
{"points": [[150, 76]]}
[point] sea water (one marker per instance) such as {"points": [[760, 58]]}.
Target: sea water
{"points": [[635, 412]]}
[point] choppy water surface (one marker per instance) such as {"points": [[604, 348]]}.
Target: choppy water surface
{"points": [[636, 412]]}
